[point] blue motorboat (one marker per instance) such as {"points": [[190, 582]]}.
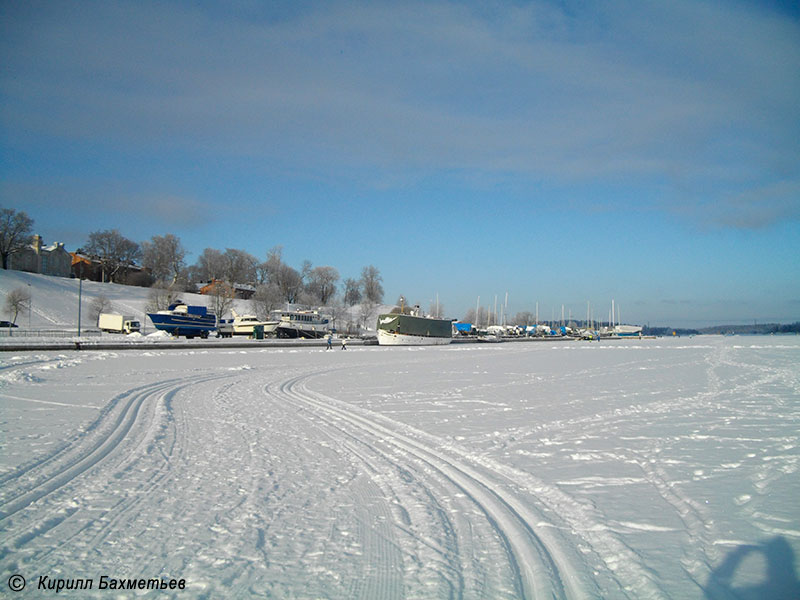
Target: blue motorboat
{"points": [[182, 319]]}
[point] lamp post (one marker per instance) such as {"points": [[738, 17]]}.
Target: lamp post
{"points": [[80, 292], [30, 305]]}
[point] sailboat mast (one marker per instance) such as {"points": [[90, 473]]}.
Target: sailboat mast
{"points": [[612, 313]]}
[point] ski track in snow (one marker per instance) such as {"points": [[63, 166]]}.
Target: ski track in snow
{"points": [[531, 563], [248, 480], [541, 561]]}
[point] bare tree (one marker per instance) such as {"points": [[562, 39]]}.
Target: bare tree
{"points": [[114, 252], [366, 314], [210, 265], [239, 266], [371, 284], [322, 284], [352, 291], [160, 297], [267, 298], [100, 304], [479, 320], [270, 268], [221, 297], [524, 318], [290, 282], [436, 309], [18, 300], [15, 232], [305, 271], [164, 256]]}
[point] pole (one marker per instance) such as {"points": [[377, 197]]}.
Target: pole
{"points": [[612, 313], [80, 292]]}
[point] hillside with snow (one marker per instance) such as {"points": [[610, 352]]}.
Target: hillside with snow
{"points": [[55, 302]]}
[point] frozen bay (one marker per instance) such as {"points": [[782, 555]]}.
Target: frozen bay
{"points": [[663, 468]]}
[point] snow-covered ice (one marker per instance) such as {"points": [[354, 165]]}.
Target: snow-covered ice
{"points": [[662, 468]]}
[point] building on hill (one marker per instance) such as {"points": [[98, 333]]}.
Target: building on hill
{"points": [[46, 260], [84, 267], [88, 267], [238, 290]]}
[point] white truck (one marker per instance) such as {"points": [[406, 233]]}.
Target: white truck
{"points": [[117, 323]]}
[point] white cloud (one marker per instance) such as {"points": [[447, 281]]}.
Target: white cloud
{"points": [[696, 95]]}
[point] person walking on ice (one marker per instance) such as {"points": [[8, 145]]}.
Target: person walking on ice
{"points": [[344, 344], [330, 341]]}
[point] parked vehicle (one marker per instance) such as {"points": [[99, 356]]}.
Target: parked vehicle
{"points": [[114, 323]]}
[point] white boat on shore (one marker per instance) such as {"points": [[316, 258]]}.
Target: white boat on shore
{"points": [[625, 331], [308, 324], [413, 329], [243, 325]]}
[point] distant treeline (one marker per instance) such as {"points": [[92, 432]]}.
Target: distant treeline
{"points": [[754, 329]]}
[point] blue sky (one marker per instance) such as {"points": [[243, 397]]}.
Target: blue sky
{"points": [[560, 152]]}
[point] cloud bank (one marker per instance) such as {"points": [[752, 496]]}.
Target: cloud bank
{"points": [[694, 101]]}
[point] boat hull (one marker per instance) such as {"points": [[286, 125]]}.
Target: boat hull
{"points": [[386, 338], [183, 325], [409, 330], [309, 332], [627, 331], [293, 324]]}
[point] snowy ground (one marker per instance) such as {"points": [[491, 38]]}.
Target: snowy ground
{"points": [[660, 468]]}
